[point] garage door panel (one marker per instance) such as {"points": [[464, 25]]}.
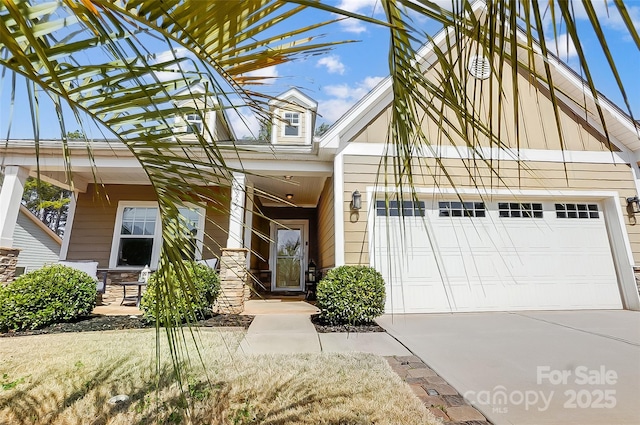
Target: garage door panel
{"points": [[496, 263], [417, 298]]}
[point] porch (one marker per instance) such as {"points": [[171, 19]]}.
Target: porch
{"points": [[266, 228]]}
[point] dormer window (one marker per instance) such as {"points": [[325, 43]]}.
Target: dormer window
{"points": [[194, 123], [292, 124]]}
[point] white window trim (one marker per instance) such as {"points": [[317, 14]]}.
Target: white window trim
{"points": [[157, 238], [115, 237], [285, 122], [198, 121]]}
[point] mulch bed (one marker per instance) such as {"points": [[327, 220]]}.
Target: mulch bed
{"points": [[322, 327], [111, 323]]}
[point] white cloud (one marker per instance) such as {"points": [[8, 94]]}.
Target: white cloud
{"points": [[243, 122], [332, 63], [608, 15], [563, 47], [614, 20], [343, 97], [167, 55], [444, 4], [353, 26], [270, 72], [332, 109], [172, 70], [357, 6]]}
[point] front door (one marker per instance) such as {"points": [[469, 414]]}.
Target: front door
{"points": [[288, 255]]}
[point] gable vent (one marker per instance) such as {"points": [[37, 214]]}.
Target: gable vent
{"points": [[479, 67]]}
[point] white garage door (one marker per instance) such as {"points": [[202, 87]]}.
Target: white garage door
{"points": [[476, 256]]}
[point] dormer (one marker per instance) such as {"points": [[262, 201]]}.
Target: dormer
{"points": [[199, 109], [294, 118]]}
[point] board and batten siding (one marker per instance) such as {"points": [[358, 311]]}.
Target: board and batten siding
{"points": [[37, 247], [93, 225], [536, 118], [326, 227], [363, 171]]}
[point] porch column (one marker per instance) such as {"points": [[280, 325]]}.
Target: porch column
{"points": [[233, 281], [248, 226], [236, 211], [248, 223], [233, 260], [10, 197]]}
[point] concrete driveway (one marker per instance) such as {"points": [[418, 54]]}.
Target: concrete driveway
{"points": [[561, 367]]}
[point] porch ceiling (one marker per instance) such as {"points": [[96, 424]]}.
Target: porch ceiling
{"points": [[306, 189]]}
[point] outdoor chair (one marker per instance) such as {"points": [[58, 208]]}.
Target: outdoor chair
{"points": [[91, 268]]}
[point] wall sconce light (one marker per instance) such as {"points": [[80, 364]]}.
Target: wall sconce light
{"points": [[311, 272], [289, 196], [633, 205], [356, 200]]}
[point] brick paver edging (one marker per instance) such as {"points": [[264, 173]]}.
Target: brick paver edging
{"points": [[447, 404]]}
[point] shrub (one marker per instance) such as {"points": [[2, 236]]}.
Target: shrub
{"points": [[48, 295], [187, 302], [351, 295]]}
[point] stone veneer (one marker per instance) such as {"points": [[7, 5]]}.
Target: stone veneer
{"points": [[114, 292], [8, 263], [233, 281]]}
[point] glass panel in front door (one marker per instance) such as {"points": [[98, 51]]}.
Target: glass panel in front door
{"points": [[288, 258]]}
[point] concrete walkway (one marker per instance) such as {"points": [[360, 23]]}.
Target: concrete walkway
{"points": [[294, 333], [278, 306]]}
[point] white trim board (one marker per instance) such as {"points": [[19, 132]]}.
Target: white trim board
{"points": [[338, 209], [256, 165], [64, 250], [525, 155]]}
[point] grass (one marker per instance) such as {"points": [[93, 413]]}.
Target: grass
{"points": [[68, 379]]}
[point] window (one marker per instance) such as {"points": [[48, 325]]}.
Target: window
{"points": [[137, 235], [462, 209], [291, 124], [577, 211], [516, 209], [194, 123], [409, 209]]}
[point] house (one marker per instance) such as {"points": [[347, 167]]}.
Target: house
{"points": [[558, 232], [38, 244]]}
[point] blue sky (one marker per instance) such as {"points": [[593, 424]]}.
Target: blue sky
{"points": [[339, 79]]}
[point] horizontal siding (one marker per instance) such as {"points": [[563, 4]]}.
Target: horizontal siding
{"points": [[93, 225], [37, 247], [260, 239], [361, 171], [326, 227]]}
